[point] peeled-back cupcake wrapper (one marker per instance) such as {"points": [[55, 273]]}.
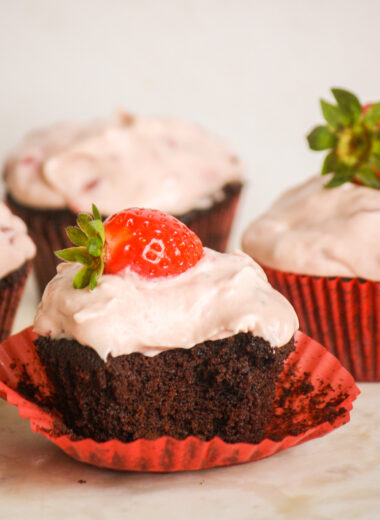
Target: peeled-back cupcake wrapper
{"points": [[314, 396], [48, 230], [342, 314], [10, 297]]}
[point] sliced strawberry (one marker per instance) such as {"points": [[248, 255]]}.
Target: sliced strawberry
{"points": [[150, 243]]}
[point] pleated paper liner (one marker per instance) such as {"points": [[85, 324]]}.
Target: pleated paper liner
{"points": [[11, 290], [48, 229], [314, 396], [341, 313]]}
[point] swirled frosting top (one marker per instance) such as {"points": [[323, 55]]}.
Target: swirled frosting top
{"points": [[222, 295], [122, 162], [318, 231]]}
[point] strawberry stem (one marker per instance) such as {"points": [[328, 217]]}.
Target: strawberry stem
{"points": [[352, 137], [89, 236]]}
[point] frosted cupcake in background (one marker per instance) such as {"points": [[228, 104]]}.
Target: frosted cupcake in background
{"points": [[16, 253], [319, 243], [125, 161]]}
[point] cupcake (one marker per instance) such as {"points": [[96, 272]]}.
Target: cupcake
{"points": [[154, 335], [126, 161], [16, 252], [318, 242]]}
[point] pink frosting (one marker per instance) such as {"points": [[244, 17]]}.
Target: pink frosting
{"points": [[16, 247], [222, 295], [317, 231], [122, 162]]}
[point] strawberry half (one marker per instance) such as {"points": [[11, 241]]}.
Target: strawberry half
{"points": [[148, 242]]}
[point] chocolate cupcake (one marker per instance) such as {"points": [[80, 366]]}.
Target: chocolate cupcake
{"points": [[319, 242], [16, 252], [127, 161], [171, 339]]}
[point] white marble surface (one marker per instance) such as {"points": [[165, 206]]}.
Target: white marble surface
{"points": [[335, 477]]}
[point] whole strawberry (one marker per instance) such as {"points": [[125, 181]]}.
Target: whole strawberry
{"points": [[148, 242], [352, 134]]}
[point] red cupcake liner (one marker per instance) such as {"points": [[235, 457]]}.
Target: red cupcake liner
{"points": [[11, 290], [48, 229], [342, 314], [314, 396]]}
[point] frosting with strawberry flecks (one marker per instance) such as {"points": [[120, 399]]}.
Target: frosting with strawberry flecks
{"points": [[121, 162], [221, 295], [323, 232]]}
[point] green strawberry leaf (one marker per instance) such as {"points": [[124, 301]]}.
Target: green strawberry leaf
{"points": [[98, 229], [329, 163], [96, 213], [90, 237], [334, 116], [372, 116], [321, 138], [82, 278], [99, 269], [95, 246], [76, 236], [352, 136], [93, 280], [374, 161], [368, 177], [75, 254], [375, 148], [339, 178], [348, 103], [84, 222]]}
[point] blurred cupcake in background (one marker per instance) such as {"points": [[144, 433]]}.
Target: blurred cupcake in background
{"points": [[16, 253], [319, 243], [125, 161]]}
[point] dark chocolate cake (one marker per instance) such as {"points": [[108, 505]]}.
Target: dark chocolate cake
{"points": [[222, 388]]}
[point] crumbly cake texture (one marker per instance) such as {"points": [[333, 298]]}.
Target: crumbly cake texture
{"points": [[48, 228], [224, 388], [11, 290]]}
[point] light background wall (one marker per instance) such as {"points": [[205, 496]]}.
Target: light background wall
{"points": [[250, 70]]}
